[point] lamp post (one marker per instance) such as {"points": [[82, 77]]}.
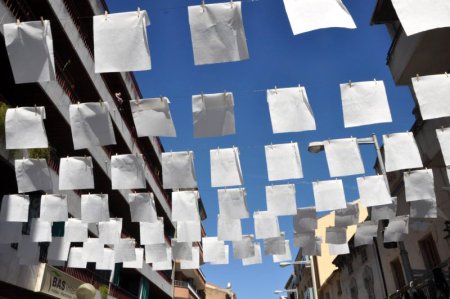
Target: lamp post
{"points": [[307, 263], [316, 147], [287, 291]]}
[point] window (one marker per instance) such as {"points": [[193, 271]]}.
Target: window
{"points": [[429, 252], [397, 273]]}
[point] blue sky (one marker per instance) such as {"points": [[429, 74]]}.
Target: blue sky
{"points": [[319, 60]]}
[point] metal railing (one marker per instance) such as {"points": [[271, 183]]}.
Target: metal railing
{"points": [[186, 285]]}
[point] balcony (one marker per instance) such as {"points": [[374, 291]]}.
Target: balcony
{"points": [[184, 290]]}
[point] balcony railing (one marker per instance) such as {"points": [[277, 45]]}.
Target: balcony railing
{"points": [[186, 285]]}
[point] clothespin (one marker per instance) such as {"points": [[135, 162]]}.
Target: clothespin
{"points": [[446, 74], [203, 6], [224, 94], [276, 90], [161, 98], [42, 21], [18, 22], [203, 98], [271, 145], [231, 3], [350, 83], [101, 102], [442, 128], [106, 15], [299, 87], [35, 109], [138, 11], [171, 153], [375, 80], [138, 102], [417, 77], [78, 105]]}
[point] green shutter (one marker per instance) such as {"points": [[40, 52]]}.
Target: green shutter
{"points": [[117, 270], [58, 229], [144, 289]]}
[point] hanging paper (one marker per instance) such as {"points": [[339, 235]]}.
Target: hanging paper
{"points": [[109, 232], [75, 230], [336, 235], [244, 248], [213, 114], [156, 253], [178, 170], [432, 94], [426, 208], [365, 232], [228, 229], [313, 248], [232, 203], [419, 185], [304, 239], [107, 262], [396, 229], [152, 233], [343, 157], [255, 259], [226, 260], [189, 231], [32, 175], [283, 161], [305, 220], [225, 167], [275, 245], [142, 207], [152, 117], [401, 152], [120, 42], [54, 208], [41, 231], [384, 212], [127, 172], [28, 252], [91, 125], [30, 51], [338, 249], [24, 128], [348, 216], [281, 200], [93, 250], [125, 251], [443, 136], [164, 264], [76, 173], [138, 263], [15, 208], [194, 263], [58, 249], [286, 257], [182, 250], [10, 232], [266, 225], [373, 191], [94, 208], [185, 206], [329, 195], [213, 249], [217, 33], [77, 258]]}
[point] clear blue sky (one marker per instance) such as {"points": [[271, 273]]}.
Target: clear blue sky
{"points": [[319, 60]]}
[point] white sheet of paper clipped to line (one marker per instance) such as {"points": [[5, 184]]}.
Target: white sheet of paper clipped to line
{"points": [[365, 103], [54, 208], [419, 185], [217, 33], [213, 249], [15, 208], [309, 15], [94, 208], [283, 161], [30, 51], [28, 251], [75, 230], [213, 114], [426, 208], [305, 220], [266, 225], [255, 259], [121, 43], [32, 175], [286, 257], [290, 110], [152, 233], [443, 136], [281, 200], [329, 195], [76, 173], [189, 231], [152, 117], [343, 157], [232, 203], [58, 249], [194, 263], [181, 250], [348, 216], [228, 229], [142, 207], [373, 191], [162, 265], [401, 152], [91, 125], [185, 206], [225, 167], [109, 232], [419, 16], [10, 232], [244, 248], [127, 172], [275, 245], [156, 253], [365, 232], [24, 128], [433, 95], [224, 261], [178, 170], [41, 231]]}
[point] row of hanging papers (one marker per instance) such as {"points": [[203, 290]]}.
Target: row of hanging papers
{"points": [[363, 103], [217, 34]]}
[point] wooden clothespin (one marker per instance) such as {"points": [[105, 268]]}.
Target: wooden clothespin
{"points": [[446, 74], [375, 80], [276, 90], [203, 98], [138, 11], [18, 22], [203, 6], [417, 77], [231, 4], [161, 98], [106, 15], [42, 21], [442, 128], [350, 83], [35, 109], [101, 102]]}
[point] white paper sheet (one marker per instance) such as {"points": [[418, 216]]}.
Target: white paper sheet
{"points": [[217, 33], [336, 235], [178, 170], [152, 233], [77, 258], [142, 207], [28, 251], [275, 245], [313, 248], [75, 230], [181, 250], [348, 216], [290, 110], [365, 103], [213, 249], [423, 209], [418, 225], [24, 128], [232, 203], [343, 157], [76, 173], [396, 229], [185, 206], [443, 136], [401, 152], [213, 114], [365, 232], [41, 231], [166, 264], [281, 200], [109, 232], [244, 248], [338, 249], [107, 262], [32, 175], [305, 220], [15, 208], [329, 195], [54, 208], [91, 125], [93, 250], [384, 212], [94, 208], [125, 251], [138, 263], [194, 263], [226, 260], [432, 94], [58, 249], [286, 257], [373, 191], [266, 225], [304, 239], [225, 167], [255, 259], [30, 51], [10, 232], [189, 231], [152, 117], [127, 172], [419, 16], [156, 253], [228, 229], [283, 161], [419, 184], [120, 42]]}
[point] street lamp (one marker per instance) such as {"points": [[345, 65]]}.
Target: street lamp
{"points": [[287, 291], [309, 264], [316, 147]]}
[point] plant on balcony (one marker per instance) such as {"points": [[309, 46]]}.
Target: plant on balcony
{"points": [[104, 291]]}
